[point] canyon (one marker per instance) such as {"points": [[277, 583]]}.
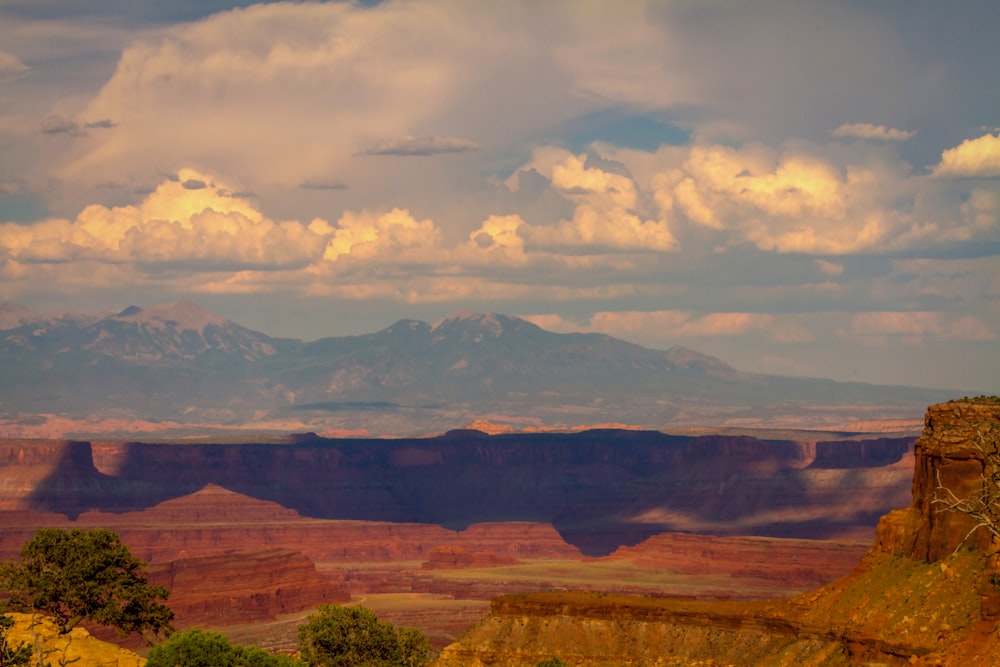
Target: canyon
{"points": [[250, 536]]}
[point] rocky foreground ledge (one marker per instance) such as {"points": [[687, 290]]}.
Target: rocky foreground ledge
{"points": [[923, 595]]}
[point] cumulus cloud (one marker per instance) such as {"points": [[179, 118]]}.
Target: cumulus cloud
{"points": [[184, 222], [873, 132], [606, 208], [497, 241], [978, 157], [384, 238], [797, 199], [421, 146]]}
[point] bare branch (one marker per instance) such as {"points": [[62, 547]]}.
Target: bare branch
{"points": [[982, 504]]}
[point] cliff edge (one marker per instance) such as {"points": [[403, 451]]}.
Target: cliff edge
{"points": [[925, 594]]}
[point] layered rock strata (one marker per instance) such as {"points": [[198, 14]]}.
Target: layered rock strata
{"points": [[600, 489], [914, 599], [243, 587]]}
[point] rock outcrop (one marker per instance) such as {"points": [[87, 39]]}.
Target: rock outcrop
{"points": [[243, 587], [79, 648], [950, 456], [914, 598]]}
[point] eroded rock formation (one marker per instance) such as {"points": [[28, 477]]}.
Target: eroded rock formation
{"points": [[914, 599], [600, 489], [243, 587]]}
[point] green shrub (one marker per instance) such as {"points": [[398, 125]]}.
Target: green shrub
{"points": [[338, 636], [198, 648]]}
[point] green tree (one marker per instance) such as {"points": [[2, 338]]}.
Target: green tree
{"points": [[75, 575], [550, 662], [197, 648], [12, 656], [338, 636]]}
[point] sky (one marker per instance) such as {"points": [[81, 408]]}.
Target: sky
{"points": [[799, 187]]}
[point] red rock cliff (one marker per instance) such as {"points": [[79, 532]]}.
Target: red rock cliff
{"points": [[946, 454]]}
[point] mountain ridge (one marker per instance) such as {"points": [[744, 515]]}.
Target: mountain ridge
{"points": [[183, 362]]}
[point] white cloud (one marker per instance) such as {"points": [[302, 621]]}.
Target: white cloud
{"points": [[198, 227], [606, 214], [381, 239], [875, 132], [978, 157], [805, 199], [497, 241]]}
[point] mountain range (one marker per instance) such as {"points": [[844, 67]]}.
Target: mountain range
{"points": [[181, 362]]}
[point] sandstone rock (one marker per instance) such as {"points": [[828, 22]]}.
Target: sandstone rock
{"points": [[242, 587], [945, 456], [453, 558]]}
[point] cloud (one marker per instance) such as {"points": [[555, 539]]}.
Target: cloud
{"points": [[978, 157], [916, 327], [497, 241], [669, 326], [183, 223], [874, 132], [11, 67], [804, 199], [380, 239], [605, 215], [56, 124], [104, 124], [310, 184], [421, 146], [830, 268]]}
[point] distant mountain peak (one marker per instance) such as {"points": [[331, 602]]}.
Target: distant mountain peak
{"points": [[489, 322], [180, 315]]}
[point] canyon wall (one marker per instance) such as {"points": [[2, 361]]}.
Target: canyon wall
{"points": [[600, 489], [914, 598]]}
